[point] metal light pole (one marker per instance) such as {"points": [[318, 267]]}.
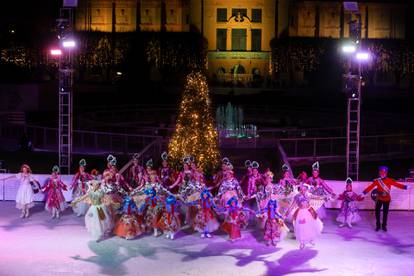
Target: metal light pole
{"points": [[352, 87], [66, 71]]}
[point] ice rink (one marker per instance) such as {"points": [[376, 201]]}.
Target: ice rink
{"points": [[41, 245]]}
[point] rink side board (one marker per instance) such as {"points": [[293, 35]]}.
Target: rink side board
{"points": [[401, 199]]}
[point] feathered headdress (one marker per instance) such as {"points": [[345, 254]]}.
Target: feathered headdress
{"points": [[164, 156], [315, 166], [248, 164], [149, 163], [285, 168], [56, 169], [225, 161], [110, 158], [255, 165], [135, 156], [82, 163], [348, 181]]}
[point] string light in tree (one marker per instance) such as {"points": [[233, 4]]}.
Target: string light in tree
{"points": [[195, 132]]}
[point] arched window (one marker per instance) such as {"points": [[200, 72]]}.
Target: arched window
{"points": [[238, 69]]}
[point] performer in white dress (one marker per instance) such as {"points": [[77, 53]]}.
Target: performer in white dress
{"points": [[25, 194], [98, 220]]}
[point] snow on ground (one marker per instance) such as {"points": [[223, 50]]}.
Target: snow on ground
{"points": [[40, 245]]}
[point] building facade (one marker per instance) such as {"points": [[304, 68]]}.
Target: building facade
{"points": [[239, 32]]}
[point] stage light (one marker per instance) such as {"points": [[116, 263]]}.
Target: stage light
{"points": [[348, 48], [56, 52], [119, 73], [68, 44], [362, 56]]}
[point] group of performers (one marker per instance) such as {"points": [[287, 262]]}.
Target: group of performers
{"points": [[162, 201]]}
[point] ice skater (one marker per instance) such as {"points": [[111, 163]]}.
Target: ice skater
{"points": [[349, 208], [80, 187], [27, 189], [382, 195], [306, 223], [55, 201]]}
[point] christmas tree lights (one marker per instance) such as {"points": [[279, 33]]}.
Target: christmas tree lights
{"points": [[195, 134]]}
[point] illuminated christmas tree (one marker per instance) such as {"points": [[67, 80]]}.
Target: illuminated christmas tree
{"points": [[195, 133]]}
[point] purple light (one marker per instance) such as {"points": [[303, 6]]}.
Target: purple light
{"points": [[362, 56]]}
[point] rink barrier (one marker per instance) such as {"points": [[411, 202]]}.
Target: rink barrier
{"points": [[401, 199]]}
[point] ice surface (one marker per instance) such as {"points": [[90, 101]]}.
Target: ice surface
{"points": [[40, 245]]}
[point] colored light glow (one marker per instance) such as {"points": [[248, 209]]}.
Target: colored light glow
{"points": [[69, 44], [119, 73], [348, 49], [362, 56], [56, 52]]}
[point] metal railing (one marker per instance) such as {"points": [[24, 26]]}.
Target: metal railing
{"points": [[91, 142], [326, 147]]}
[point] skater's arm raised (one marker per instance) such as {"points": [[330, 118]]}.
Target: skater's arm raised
{"points": [[398, 185], [370, 187]]}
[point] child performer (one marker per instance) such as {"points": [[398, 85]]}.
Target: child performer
{"points": [[306, 223], [236, 218], [25, 193], [128, 225], [98, 220], [275, 229], [349, 209], [152, 208], [55, 201], [205, 221], [80, 187], [170, 221]]}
